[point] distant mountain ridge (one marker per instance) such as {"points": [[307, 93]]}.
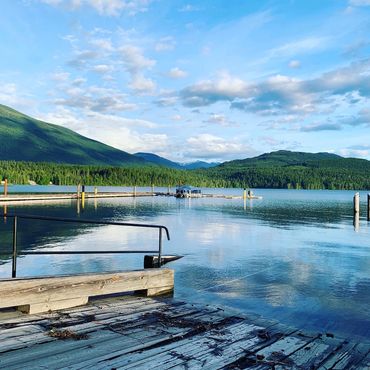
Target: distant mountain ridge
{"points": [[156, 159], [24, 138], [298, 170], [286, 158]]}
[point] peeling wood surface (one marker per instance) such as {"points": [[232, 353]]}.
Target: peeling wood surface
{"points": [[50, 293], [140, 333]]}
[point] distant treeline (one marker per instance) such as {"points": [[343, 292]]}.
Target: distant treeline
{"points": [[294, 177], [63, 174]]}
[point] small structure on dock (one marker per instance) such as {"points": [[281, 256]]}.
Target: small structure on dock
{"points": [[187, 191]]}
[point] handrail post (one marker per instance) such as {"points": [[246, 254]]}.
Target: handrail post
{"points": [[14, 261], [160, 248]]}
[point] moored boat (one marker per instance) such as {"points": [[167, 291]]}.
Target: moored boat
{"points": [[187, 191]]}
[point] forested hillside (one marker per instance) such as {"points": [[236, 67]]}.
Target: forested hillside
{"points": [[23, 138], [297, 170], [61, 174]]}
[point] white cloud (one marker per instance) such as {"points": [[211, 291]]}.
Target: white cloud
{"points": [[102, 44], [94, 99], [359, 2], [103, 68], [281, 94], [82, 58], [294, 64], [134, 59], [165, 44], [176, 73], [166, 101], [135, 63], [11, 96], [104, 7], [60, 76], [357, 153], [176, 117], [141, 84], [214, 147], [119, 132], [305, 45], [189, 8], [219, 119], [208, 92]]}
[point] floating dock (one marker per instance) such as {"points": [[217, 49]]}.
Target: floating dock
{"points": [[62, 196], [36, 197], [141, 333]]}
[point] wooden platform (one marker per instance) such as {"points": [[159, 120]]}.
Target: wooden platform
{"points": [[27, 197], [146, 333], [43, 294]]}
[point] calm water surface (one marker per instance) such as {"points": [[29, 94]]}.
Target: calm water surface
{"points": [[294, 255]]}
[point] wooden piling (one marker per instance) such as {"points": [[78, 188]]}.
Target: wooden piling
{"points": [[356, 221], [95, 191], [135, 191], [368, 207], [5, 187], [83, 197], [356, 203], [245, 193], [152, 189]]}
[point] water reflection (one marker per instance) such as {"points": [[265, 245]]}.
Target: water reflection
{"points": [[293, 256]]}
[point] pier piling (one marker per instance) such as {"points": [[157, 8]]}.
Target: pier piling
{"points": [[5, 187], [356, 203], [368, 207]]}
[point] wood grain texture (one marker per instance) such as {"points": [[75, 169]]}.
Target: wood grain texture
{"points": [[49, 293], [139, 333]]}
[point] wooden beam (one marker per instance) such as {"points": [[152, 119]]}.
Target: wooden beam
{"points": [[49, 293]]}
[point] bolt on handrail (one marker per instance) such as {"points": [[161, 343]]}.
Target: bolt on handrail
{"points": [[15, 253]]}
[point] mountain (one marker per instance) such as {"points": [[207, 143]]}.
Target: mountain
{"points": [[156, 159], [286, 158], [287, 169], [23, 138], [199, 164]]}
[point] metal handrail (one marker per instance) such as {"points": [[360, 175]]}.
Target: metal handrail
{"points": [[15, 253]]}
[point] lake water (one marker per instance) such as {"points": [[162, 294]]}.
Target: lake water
{"points": [[294, 256]]}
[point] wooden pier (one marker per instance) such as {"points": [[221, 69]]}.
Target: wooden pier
{"points": [[41, 197], [27, 197], [141, 333]]}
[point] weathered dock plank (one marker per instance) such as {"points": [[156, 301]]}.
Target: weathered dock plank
{"points": [[44, 294], [138, 332]]}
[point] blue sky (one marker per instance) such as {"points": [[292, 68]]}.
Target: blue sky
{"points": [[207, 80]]}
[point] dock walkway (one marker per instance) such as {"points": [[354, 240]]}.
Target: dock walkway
{"points": [[145, 333], [26, 197]]}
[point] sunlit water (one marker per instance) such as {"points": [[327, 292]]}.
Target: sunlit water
{"points": [[294, 256]]}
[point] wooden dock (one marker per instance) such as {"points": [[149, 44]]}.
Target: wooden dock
{"points": [[27, 197], [42, 197], [145, 333]]}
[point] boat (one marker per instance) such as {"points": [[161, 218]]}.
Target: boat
{"points": [[187, 191]]}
